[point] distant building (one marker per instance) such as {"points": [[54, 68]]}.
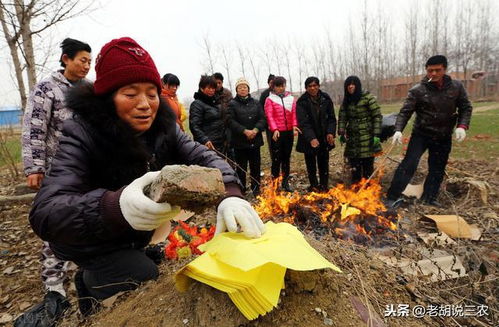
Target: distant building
{"points": [[478, 84], [10, 116]]}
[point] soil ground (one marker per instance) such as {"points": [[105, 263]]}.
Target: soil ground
{"points": [[317, 298]]}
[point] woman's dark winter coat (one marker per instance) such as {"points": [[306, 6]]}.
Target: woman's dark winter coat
{"points": [[77, 209], [207, 121], [314, 124], [246, 114]]}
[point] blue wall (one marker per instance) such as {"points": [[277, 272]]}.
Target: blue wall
{"points": [[10, 116]]}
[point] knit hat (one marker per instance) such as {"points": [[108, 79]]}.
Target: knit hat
{"points": [[121, 62], [242, 81]]}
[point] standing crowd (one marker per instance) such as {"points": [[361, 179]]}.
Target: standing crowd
{"points": [[91, 149]]}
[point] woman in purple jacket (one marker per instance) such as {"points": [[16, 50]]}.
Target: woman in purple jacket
{"points": [[91, 207]]}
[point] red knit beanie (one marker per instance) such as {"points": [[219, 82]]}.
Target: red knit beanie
{"points": [[121, 62]]}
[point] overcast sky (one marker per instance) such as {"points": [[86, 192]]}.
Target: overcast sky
{"points": [[172, 31]]}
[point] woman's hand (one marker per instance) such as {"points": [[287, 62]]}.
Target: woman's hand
{"points": [[276, 135], [330, 139], [296, 131], [209, 145], [314, 143], [141, 212], [250, 134], [34, 181], [234, 211]]}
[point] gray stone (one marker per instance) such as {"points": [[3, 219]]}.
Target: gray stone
{"points": [[192, 188]]}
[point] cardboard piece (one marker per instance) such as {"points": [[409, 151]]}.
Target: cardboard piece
{"points": [[438, 268], [455, 226], [413, 191], [440, 239]]}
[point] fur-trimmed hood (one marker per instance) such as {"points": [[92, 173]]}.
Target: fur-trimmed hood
{"points": [[119, 151]]}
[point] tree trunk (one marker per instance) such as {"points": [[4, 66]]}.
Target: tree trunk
{"points": [[11, 41]]}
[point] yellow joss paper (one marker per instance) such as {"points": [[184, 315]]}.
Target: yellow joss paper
{"points": [[282, 244], [251, 271]]}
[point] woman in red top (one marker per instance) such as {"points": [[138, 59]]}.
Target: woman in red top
{"points": [[280, 110]]}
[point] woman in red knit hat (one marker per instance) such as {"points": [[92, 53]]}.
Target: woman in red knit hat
{"points": [[91, 207]]}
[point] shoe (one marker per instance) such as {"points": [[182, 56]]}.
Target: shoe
{"points": [[313, 188], [46, 313], [87, 304], [433, 203], [285, 185], [393, 203], [323, 188]]}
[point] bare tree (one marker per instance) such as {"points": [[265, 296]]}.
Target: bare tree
{"points": [[412, 39], [299, 52], [286, 54], [209, 62], [226, 64], [22, 21], [242, 58], [255, 68], [276, 55], [266, 56]]}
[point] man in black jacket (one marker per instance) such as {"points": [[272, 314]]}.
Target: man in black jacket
{"points": [[440, 104], [316, 120]]}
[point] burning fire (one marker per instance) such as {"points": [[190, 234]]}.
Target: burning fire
{"points": [[349, 213]]}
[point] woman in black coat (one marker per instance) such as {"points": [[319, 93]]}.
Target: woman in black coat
{"points": [[207, 120], [91, 207], [246, 121], [316, 120]]}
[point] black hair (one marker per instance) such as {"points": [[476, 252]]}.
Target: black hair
{"points": [[355, 97], [279, 81], [437, 60], [170, 79], [218, 76], [310, 80], [270, 78], [70, 47], [207, 80]]}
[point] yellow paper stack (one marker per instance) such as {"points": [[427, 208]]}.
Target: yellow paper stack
{"points": [[251, 271]]}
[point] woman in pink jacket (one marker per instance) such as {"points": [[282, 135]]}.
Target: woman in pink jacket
{"points": [[280, 110]]}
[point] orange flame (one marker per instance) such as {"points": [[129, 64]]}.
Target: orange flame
{"points": [[357, 208]]}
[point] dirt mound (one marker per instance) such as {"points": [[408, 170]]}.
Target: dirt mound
{"points": [[309, 299]]}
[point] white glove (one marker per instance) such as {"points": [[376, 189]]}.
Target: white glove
{"points": [[397, 138], [460, 134], [233, 211], [141, 212]]}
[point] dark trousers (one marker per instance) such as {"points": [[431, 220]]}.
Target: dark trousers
{"points": [[361, 168], [118, 271], [268, 135], [318, 159], [243, 156], [438, 154], [281, 154]]}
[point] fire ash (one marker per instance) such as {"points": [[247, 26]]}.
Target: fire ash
{"points": [[356, 213]]}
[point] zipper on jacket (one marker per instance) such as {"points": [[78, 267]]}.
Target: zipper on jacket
{"points": [[151, 161], [284, 111]]}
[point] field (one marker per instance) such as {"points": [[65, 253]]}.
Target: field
{"points": [[365, 279]]}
